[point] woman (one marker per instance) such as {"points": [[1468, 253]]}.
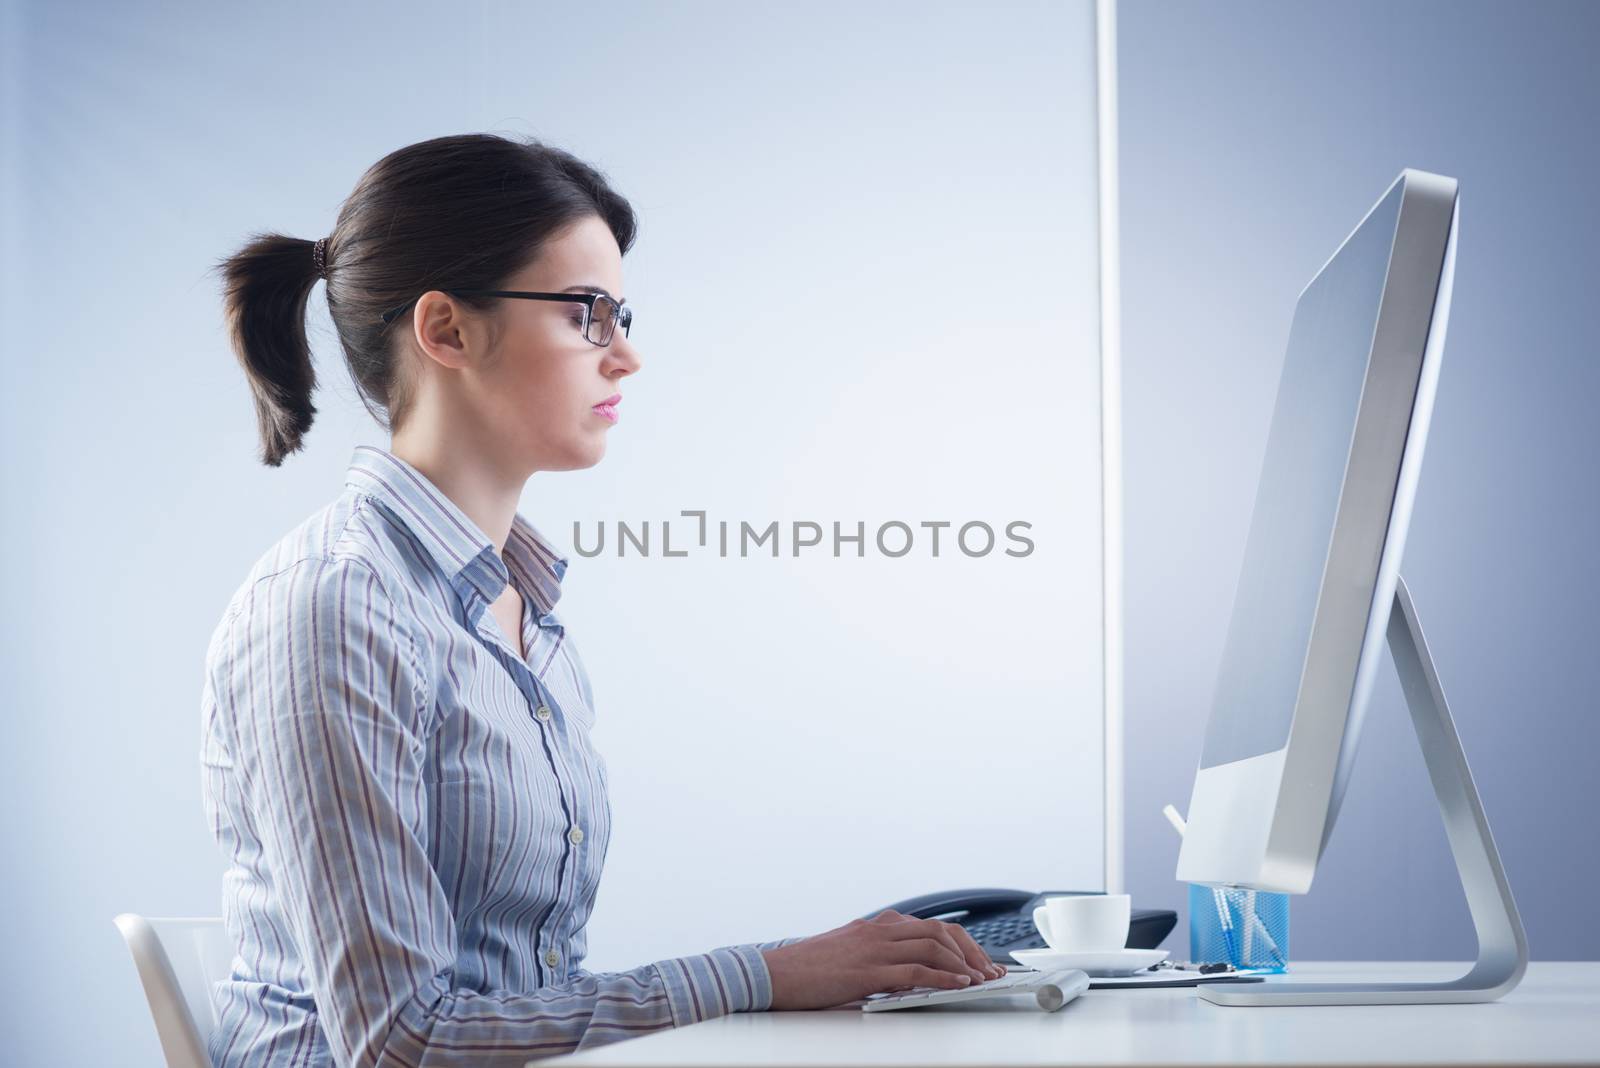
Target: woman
{"points": [[397, 758]]}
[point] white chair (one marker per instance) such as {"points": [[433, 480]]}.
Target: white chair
{"points": [[179, 960]]}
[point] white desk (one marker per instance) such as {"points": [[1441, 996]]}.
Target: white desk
{"points": [[1552, 1017]]}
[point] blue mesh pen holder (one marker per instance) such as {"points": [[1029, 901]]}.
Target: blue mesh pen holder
{"points": [[1245, 928]]}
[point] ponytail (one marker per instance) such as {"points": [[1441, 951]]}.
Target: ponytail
{"points": [[265, 287]]}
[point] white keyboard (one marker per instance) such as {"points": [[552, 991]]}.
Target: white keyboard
{"points": [[1050, 990]]}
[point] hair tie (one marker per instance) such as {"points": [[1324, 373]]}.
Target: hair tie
{"points": [[319, 253]]}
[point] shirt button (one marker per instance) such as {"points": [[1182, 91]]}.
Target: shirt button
{"points": [[552, 958], [576, 834], [543, 712]]}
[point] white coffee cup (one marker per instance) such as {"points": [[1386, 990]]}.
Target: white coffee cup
{"points": [[1085, 923]]}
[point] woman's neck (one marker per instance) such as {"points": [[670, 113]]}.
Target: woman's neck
{"points": [[488, 498]]}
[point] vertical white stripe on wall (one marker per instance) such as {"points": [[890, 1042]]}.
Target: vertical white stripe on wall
{"points": [[1110, 435]]}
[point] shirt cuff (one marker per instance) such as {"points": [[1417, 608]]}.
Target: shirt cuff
{"points": [[708, 985]]}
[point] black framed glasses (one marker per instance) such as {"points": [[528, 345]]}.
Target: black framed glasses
{"points": [[601, 314]]}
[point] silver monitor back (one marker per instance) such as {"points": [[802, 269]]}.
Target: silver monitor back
{"points": [[1323, 552]]}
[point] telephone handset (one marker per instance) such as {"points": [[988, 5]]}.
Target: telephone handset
{"points": [[1001, 920]]}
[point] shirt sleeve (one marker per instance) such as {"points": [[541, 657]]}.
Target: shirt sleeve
{"points": [[683, 979], [330, 712]]}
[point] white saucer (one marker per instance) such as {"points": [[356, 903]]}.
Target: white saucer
{"points": [[1103, 962]]}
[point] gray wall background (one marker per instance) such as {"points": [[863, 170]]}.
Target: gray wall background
{"points": [[1254, 136]]}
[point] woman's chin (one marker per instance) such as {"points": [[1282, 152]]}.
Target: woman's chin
{"points": [[586, 453]]}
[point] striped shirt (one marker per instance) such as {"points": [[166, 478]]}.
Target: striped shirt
{"points": [[414, 816]]}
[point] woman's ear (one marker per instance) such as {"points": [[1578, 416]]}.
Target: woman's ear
{"points": [[445, 333]]}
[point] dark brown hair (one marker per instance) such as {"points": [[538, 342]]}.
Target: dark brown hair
{"points": [[459, 212]]}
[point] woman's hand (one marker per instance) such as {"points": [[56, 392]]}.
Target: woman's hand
{"points": [[891, 951]]}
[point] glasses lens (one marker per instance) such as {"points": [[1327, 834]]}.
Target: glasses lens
{"points": [[602, 321]]}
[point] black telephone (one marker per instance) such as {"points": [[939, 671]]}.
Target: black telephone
{"points": [[1002, 920]]}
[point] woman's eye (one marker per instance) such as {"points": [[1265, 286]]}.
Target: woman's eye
{"points": [[575, 320]]}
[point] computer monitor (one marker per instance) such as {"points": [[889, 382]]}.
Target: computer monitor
{"points": [[1320, 590]]}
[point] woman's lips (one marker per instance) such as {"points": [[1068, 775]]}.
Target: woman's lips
{"points": [[607, 409]]}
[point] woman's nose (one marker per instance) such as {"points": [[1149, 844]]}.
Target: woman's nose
{"points": [[623, 354]]}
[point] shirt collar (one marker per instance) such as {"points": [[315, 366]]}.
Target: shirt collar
{"points": [[456, 544]]}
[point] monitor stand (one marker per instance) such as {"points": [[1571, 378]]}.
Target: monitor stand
{"points": [[1502, 945]]}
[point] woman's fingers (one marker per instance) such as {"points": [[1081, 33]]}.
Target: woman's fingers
{"points": [[906, 976], [961, 944], [933, 952], [974, 952], [976, 961], [956, 938]]}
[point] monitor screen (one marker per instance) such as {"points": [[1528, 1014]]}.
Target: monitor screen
{"points": [[1308, 445]]}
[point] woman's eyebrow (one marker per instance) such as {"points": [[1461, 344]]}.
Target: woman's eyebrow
{"points": [[593, 289]]}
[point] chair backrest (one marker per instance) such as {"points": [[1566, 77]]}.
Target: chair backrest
{"points": [[179, 960]]}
